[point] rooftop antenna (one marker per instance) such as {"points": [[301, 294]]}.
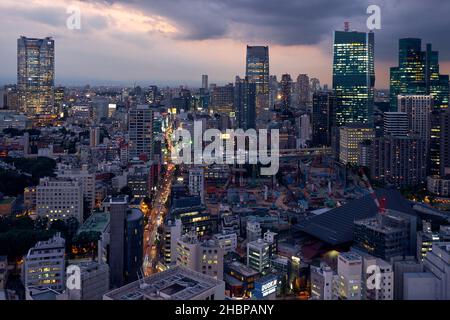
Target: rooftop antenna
{"points": [[347, 26]]}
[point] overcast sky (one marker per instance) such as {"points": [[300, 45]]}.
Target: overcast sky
{"points": [[174, 42]]}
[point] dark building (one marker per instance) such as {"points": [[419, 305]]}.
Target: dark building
{"points": [[126, 241], [257, 71], [353, 77], [193, 215], [245, 103], [322, 112], [418, 74], [445, 144], [285, 91], [386, 235], [257, 67], [222, 98], [399, 160], [134, 246], [118, 212]]}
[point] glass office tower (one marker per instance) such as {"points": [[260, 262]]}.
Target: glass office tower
{"points": [[36, 75], [418, 74], [257, 71], [245, 103], [353, 77]]}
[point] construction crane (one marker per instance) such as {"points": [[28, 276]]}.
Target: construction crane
{"points": [[380, 203]]}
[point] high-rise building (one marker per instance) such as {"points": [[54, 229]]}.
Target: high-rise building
{"points": [[285, 91], [399, 160], [418, 74], [445, 144], [45, 265], [273, 90], [257, 67], [140, 131], [36, 75], [118, 210], [245, 103], [395, 123], [222, 98], [418, 108], [134, 244], [322, 115], [354, 77], [304, 90], [350, 138], [59, 199], [204, 81], [257, 71]]}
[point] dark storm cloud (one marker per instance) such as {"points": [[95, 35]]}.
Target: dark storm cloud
{"points": [[287, 22], [300, 22]]}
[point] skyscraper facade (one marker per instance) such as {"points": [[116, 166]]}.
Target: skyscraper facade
{"points": [[36, 75], [257, 71], [285, 91], [245, 103], [418, 74], [140, 130], [353, 77], [322, 111], [303, 89]]}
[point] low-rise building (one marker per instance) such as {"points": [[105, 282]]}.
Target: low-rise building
{"points": [[178, 283]]}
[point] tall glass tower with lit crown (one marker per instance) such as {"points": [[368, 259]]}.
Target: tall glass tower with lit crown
{"points": [[36, 75], [418, 74], [353, 77]]}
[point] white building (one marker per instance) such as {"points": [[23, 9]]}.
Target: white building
{"points": [[94, 283], [227, 241], [172, 233], [347, 282], [321, 282], [350, 138], [258, 255], [86, 177], [45, 265], [378, 275], [437, 262], [197, 182], [418, 108], [205, 257], [59, 199], [177, 283], [253, 230]]}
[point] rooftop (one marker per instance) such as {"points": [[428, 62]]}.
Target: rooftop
{"points": [[336, 226], [98, 222], [178, 283]]}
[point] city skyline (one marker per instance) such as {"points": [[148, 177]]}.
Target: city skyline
{"points": [[101, 52]]}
